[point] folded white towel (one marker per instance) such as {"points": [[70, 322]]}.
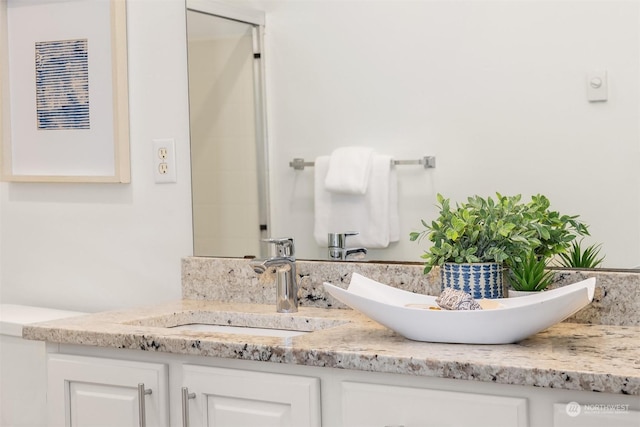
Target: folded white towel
{"points": [[322, 201], [394, 213], [349, 170], [373, 214]]}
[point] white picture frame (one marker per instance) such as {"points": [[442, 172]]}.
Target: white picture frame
{"points": [[64, 91]]}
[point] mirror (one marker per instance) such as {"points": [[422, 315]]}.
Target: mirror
{"points": [[228, 182], [502, 106]]}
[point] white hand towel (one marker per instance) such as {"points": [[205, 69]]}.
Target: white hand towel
{"points": [[374, 214], [349, 170], [322, 201], [394, 214]]}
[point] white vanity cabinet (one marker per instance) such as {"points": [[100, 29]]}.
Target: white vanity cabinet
{"points": [[95, 391], [99, 387], [100, 391], [212, 396], [366, 404]]}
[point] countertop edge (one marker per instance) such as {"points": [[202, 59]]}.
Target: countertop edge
{"points": [[400, 356]]}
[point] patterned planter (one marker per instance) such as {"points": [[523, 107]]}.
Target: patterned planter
{"points": [[481, 280]]}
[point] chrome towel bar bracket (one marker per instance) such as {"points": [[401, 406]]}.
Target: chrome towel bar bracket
{"points": [[428, 162]]}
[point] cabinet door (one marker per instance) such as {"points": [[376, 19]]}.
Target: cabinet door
{"points": [[90, 391], [23, 389], [230, 397], [383, 405]]}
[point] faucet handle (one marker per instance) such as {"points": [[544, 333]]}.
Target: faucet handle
{"points": [[339, 240], [284, 245]]}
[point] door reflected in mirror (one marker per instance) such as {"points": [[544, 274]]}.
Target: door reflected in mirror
{"points": [[229, 202]]}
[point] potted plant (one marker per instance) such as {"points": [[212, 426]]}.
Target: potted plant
{"points": [[529, 276], [473, 241]]}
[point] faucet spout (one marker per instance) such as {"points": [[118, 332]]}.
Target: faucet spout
{"points": [[261, 265], [338, 249], [279, 263], [355, 253]]}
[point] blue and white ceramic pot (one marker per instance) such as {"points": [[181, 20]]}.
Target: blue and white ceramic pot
{"points": [[481, 280]]}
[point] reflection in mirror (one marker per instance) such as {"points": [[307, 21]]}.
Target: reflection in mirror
{"points": [[502, 105], [229, 202]]}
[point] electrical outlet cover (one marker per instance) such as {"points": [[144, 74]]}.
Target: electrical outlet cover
{"points": [[164, 160]]}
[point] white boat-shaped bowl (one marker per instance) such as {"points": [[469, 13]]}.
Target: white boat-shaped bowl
{"points": [[513, 320]]}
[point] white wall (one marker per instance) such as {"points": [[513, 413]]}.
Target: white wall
{"points": [[478, 84], [92, 247], [496, 90]]}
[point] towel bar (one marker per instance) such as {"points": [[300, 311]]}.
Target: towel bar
{"points": [[428, 162]]}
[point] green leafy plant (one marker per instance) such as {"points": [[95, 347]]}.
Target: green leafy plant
{"points": [[578, 257], [530, 274], [555, 231], [503, 230]]}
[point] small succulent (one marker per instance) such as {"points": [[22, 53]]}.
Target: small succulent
{"points": [[530, 274], [578, 257]]}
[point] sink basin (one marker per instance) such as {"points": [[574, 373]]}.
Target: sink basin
{"points": [[241, 330], [268, 324]]}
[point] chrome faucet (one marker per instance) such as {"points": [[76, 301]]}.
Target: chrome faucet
{"points": [[284, 264], [338, 249]]}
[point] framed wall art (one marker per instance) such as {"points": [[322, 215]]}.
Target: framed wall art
{"points": [[64, 91]]}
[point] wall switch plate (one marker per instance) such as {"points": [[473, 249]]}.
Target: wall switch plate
{"points": [[597, 86], [164, 160]]}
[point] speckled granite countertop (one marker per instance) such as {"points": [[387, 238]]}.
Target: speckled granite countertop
{"points": [[570, 356], [597, 349]]}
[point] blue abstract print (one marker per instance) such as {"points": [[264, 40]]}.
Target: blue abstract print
{"points": [[62, 84]]}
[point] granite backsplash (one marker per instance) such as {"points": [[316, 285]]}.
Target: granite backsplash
{"points": [[616, 300]]}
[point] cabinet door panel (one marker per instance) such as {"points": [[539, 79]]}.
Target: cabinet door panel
{"points": [[92, 391], [229, 397], [382, 405], [231, 411], [89, 402]]}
